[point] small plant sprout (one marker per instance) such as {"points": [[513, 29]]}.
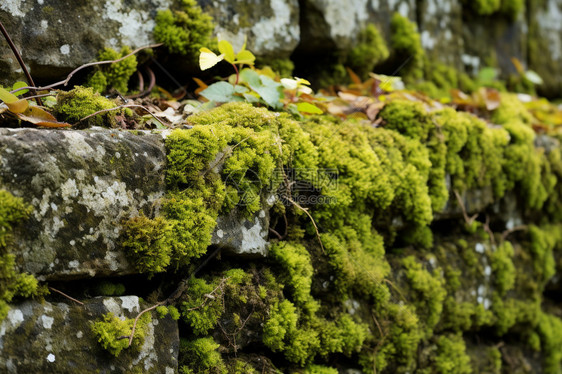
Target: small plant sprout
{"points": [[208, 58]]}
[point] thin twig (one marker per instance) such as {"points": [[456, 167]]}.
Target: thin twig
{"points": [[65, 295], [489, 231], [69, 76], [311, 219], [468, 219], [136, 320], [121, 107], [508, 232], [377, 323], [276, 233], [20, 61]]}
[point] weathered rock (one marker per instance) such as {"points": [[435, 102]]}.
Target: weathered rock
{"points": [[493, 41], [329, 25], [56, 338], [440, 29], [52, 44], [545, 44], [243, 236], [271, 27], [82, 185]]}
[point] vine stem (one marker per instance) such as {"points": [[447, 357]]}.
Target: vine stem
{"points": [[20, 61]]}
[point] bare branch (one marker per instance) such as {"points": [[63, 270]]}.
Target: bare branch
{"points": [[65, 295], [69, 76], [469, 220], [508, 232], [20, 61], [121, 107]]}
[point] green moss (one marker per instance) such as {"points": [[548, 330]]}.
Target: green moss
{"points": [[428, 293], [369, 50], [511, 109], [116, 75], [106, 288], [318, 369], [503, 268], [110, 329], [74, 105], [295, 261], [147, 243], [542, 243], [550, 332], [485, 7], [405, 42], [451, 355], [184, 30], [201, 356], [13, 211]]}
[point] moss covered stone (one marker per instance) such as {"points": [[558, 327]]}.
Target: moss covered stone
{"points": [[75, 105]]}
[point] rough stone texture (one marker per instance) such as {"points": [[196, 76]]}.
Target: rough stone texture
{"points": [[327, 25], [440, 29], [57, 36], [271, 27], [82, 185], [56, 338], [545, 44], [243, 236], [53, 45]]}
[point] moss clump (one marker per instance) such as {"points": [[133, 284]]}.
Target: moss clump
{"points": [[106, 288], [295, 261], [369, 51], [110, 329], [511, 110], [405, 42], [13, 211], [550, 331], [76, 104], [429, 292], [147, 242], [203, 306], [163, 311], [318, 369], [451, 355], [201, 356], [184, 30], [116, 75], [503, 268]]}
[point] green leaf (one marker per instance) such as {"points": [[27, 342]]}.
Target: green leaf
{"points": [[226, 49], [7, 97], [487, 75], [269, 92], [245, 57], [221, 92], [308, 108], [533, 77], [19, 85], [240, 89], [250, 77]]}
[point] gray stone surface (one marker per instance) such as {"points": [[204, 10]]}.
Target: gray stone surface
{"points": [[82, 185], [54, 337], [271, 27], [57, 36], [243, 236]]}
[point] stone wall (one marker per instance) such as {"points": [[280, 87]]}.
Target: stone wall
{"points": [[451, 31], [478, 294]]}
